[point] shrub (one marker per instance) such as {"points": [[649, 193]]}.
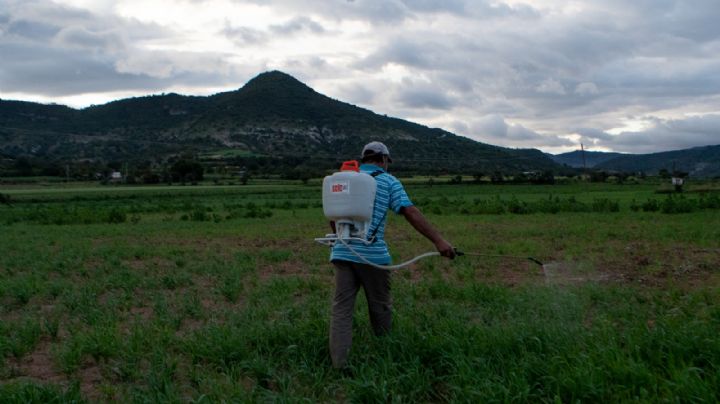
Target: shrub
{"points": [[116, 216], [677, 205], [605, 205]]}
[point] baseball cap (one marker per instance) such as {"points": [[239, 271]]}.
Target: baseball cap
{"points": [[374, 148]]}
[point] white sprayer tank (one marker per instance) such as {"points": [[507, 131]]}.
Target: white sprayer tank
{"points": [[349, 196]]}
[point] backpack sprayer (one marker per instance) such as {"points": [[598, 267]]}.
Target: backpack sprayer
{"points": [[349, 199]]}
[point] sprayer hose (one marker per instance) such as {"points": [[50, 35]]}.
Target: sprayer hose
{"points": [[388, 267], [435, 253]]}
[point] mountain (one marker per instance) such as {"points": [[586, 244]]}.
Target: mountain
{"points": [[697, 162], [580, 159], [274, 116]]}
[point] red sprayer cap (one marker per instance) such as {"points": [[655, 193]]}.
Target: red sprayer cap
{"points": [[351, 165]]}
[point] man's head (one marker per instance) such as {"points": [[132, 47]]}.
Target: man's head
{"points": [[376, 153]]}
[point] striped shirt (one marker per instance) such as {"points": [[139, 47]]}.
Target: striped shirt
{"points": [[390, 195]]}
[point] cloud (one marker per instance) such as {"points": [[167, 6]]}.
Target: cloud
{"points": [[551, 86], [372, 11], [55, 50], [298, 24], [586, 89], [494, 128], [244, 35], [413, 96], [84, 38], [667, 134], [592, 135], [413, 53], [31, 29]]}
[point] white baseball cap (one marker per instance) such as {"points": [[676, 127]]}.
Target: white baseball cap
{"points": [[374, 148]]}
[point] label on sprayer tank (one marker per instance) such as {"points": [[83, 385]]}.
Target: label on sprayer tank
{"points": [[340, 188]]}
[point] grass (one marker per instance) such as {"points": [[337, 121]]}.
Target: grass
{"points": [[228, 305]]}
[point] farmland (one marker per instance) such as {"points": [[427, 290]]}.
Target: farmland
{"points": [[217, 292]]}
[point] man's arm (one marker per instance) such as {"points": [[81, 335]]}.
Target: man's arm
{"points": [[418, 221]]}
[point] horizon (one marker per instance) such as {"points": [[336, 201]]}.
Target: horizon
{"points": [[630, 78], [377, 113]]}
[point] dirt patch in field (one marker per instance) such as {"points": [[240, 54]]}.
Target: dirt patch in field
{"points": [[39, 365], [637, 263], [284, 268], [682, 266], [189, 326], [510, 272], [91, 378], [143, 313]]}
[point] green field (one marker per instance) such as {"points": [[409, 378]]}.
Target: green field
{"points": [[218, 293]]}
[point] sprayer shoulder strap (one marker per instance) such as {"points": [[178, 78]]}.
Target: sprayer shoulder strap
{"points": [[374, 232]]}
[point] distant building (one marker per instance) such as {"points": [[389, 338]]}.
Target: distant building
{"points": [[116, 176], [678, 183]]}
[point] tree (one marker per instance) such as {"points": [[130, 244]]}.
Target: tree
{"points": [[477, 177], [187, 170], [24, 167]]}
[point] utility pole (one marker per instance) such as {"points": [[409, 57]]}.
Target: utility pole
{"points": [[582, 151]]}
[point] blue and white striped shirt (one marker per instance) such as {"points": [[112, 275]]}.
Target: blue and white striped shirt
{"points": [[390, 195]]}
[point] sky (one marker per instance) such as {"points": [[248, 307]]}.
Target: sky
{"points": [[636, 76]]}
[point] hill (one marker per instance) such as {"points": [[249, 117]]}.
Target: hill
{"points": [[697, 162], [589, 160], [274, 116]]}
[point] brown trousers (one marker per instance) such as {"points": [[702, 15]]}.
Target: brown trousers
{"points": [[349, 276]]}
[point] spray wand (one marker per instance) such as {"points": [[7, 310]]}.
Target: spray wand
{"points": [[434, 253], [535, 260]]}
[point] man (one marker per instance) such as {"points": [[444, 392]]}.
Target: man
{"points": [[351, 272]]}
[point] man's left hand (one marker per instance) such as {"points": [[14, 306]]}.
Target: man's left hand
{"points": [[445, 249]]}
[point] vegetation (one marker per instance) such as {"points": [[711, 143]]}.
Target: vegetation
{"points": [[217, 293], [273, 117]]}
